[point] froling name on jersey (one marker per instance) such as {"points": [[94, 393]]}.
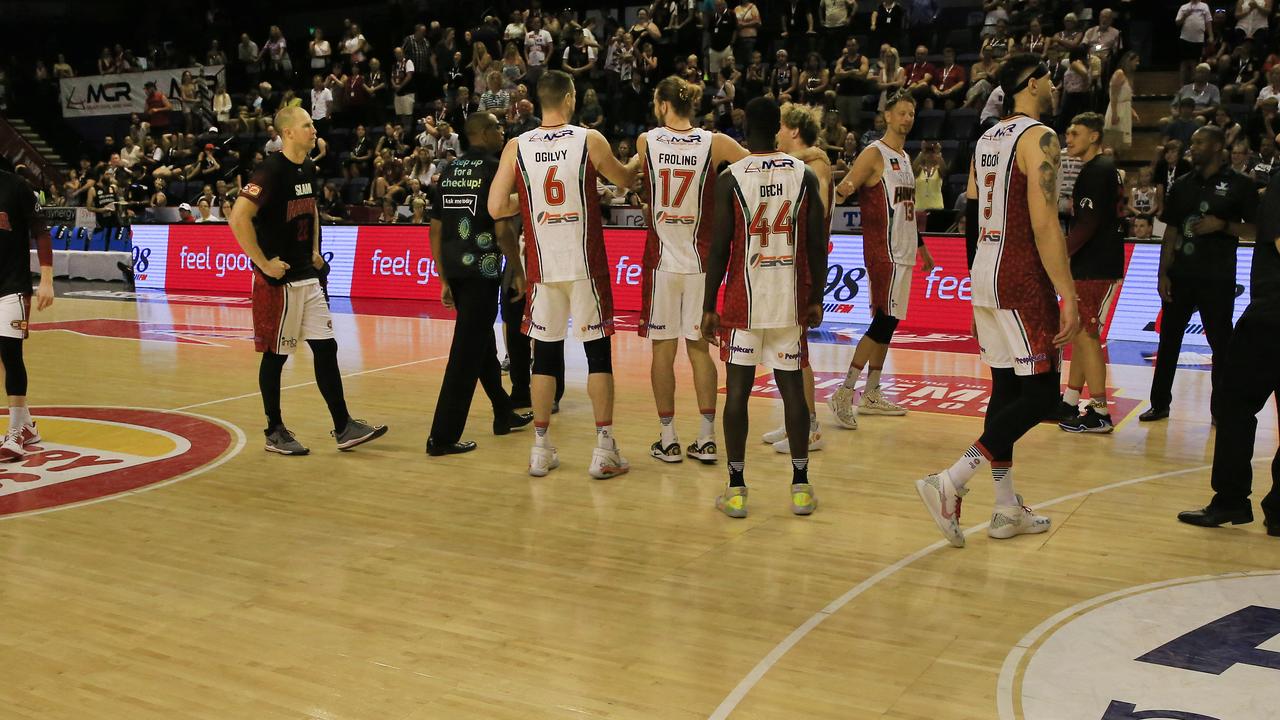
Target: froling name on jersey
{"points": [[673, 159]]}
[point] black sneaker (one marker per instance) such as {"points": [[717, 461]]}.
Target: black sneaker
{"points": [[1090, 422], [668, 454], [1063, 412]]}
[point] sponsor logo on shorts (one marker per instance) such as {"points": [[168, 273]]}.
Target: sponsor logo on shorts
{"points": [[740, 349], [18, 325], [1031, 360], [594, 326], [550, 218], [655, 326], [533, 324], [788, 356], [90, 453]]}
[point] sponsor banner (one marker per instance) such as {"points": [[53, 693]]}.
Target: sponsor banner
{"points": [[846, 219], [68, 216], [627, 217], [124, 94]]}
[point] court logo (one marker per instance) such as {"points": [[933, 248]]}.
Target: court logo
{"points": [[181, 333], [1204, 648], [89, 454]]}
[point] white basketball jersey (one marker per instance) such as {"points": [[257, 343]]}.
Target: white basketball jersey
{"points": [[678, 167], [561, 207], [1006, 272], [767, 266], [889, 209]]}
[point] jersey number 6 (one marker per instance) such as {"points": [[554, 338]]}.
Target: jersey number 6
{"points": [[553, 189]]}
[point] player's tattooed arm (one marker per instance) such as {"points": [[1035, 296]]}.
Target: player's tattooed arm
{"points": [[1049, 166]]}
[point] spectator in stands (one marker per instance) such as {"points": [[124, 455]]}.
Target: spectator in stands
{"points": [[421, 165], [375, 82], [130, 153], [205, 211], [188, 100], [1103, 39], [833, 135], [250, 113], [1239, 74], [537, 48], [749, 24], [1182, 126], [222, 107], [784, 78], [1144, 197], [1272, 88], [457, 76], [1069, 37], [354, 46], [106, 62], [723, 24], [1263, 122], [357, 163], [949, 82], [1265, 162], [392, 139], [275, 54], [1241, 157], [851, 83], [1204, 94], [513, 67], [439, 139], [999, 42], [1169, 165], [579, 60], [330, 206], [525, 119], [920, 75], [184, 214], [798, 26], [1035, 41], [1195, 27], [1140, 227], [274, 142], [417, 48], [815, 80], [463, 106], [875, 132], [205, 167], [215, 56], [319, 51], [62, 69], [889, 74], [158, 109], [921, 15], [1231, 130], [402, 86], [1118, 127], [495, 99], [516, 29], [888, 24], [480, 61], [996, 11]]}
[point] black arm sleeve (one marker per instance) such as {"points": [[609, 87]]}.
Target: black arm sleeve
{"points": [[970, 230], [721, 236], [1094, 190], [816, 242]]}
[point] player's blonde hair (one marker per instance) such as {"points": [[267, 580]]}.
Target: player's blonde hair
{"points": [[803, 118], [682, 95]]}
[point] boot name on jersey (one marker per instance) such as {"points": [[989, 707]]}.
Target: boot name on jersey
{"points": [[550, 157], [673, 159]]}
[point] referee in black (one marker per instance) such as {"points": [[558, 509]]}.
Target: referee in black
{"points": [[1252, 376], [1208, 211], [468, 246]]}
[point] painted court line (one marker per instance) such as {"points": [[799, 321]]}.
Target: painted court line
{"points": [[313, 382], [766, 664]]}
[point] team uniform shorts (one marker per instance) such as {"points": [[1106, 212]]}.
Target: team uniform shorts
{"points": [[1096, 299], [15, 312], [672, 305], [775, 348], [588, 302], [284, 315], [1019, 339], [890, 288]]}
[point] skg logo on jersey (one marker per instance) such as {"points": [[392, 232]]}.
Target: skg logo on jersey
{"points": [[550, 218], [667, 218], [760, 260], [550, 136], [461, 202], [756, 166], [90, 453]]}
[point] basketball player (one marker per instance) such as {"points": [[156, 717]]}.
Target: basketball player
{"points": [[1096, 244], [554, 169], [678, 161], [20, 224], [886, 187], [797, 133], [1019, 260], [770, 239], [276, 223]]}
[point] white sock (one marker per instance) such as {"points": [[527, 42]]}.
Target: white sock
{"points": [[813, 422], [1099, 405], [964, 468], [18, 417], [707, 430], [1071, 396], [541, 436], [604, 436], [851, 377], [873, 379], [668, 430], [1003, 477]]}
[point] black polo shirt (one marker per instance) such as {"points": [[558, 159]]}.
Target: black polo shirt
{"points": [[468, 246], [1227, 195], [1264, 278]]}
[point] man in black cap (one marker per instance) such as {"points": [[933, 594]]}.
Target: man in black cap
{"points": [[468, 245], [1251, 376]]}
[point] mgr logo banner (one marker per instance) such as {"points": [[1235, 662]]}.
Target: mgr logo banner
{"points": [[124, 94]]}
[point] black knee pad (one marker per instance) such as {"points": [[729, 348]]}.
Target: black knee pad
{"points": [[882, 327], [548, 357], [599, 355], [15, 370]]}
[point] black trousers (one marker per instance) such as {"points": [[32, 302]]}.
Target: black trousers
{"points": [[472, 356], [520, 352], [1252, 376], [1215, 299]]}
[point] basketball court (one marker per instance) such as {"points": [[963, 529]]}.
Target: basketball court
{"points": [[159, 564]]}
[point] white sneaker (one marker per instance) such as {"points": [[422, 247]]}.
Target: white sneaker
{"points": [[30, 435], [841, 403], [815, 442], [11, 447], [1016, 520], [943, 499], [774, 436], [607, 463], [543, 460], [875, 403], [704, 451]]}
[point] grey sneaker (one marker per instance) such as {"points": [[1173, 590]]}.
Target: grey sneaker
{"points": [[356, 433], [282, 442]]}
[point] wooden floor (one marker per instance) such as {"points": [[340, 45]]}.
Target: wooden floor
{"points": [[383, 584]]}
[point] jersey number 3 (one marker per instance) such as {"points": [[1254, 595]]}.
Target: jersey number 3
{"points": [[989, 184]]}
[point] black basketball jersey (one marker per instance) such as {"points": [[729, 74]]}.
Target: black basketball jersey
{"points": [[468, 247], [286, 221], [18, 215]]}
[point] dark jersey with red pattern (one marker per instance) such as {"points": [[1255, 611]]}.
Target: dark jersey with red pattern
{"points": [[286, 221], [19, 214]]}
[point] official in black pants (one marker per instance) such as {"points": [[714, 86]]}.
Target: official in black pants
{"points": [[466, 242], [1252, 377], [1207, 212]]}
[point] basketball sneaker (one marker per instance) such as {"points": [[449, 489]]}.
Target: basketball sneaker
{"points": [[11, 447], [608, 462], [668, 454], [1016, 520], [30, 435], [943, 499], [357, 432], [704, 451], [815, 442], [841, 403], [543, 460], [803, 501], [282, 442], [774, 436], [1091, 421], [733, 501], [1063, 412], [875, 403]]}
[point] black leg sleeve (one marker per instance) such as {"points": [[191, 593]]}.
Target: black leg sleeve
{"points": [[15, 369], [329, 379], [269, 385], [1006, 427]]}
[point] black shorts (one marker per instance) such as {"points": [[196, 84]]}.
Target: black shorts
{"points": [[1190, 50]]}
